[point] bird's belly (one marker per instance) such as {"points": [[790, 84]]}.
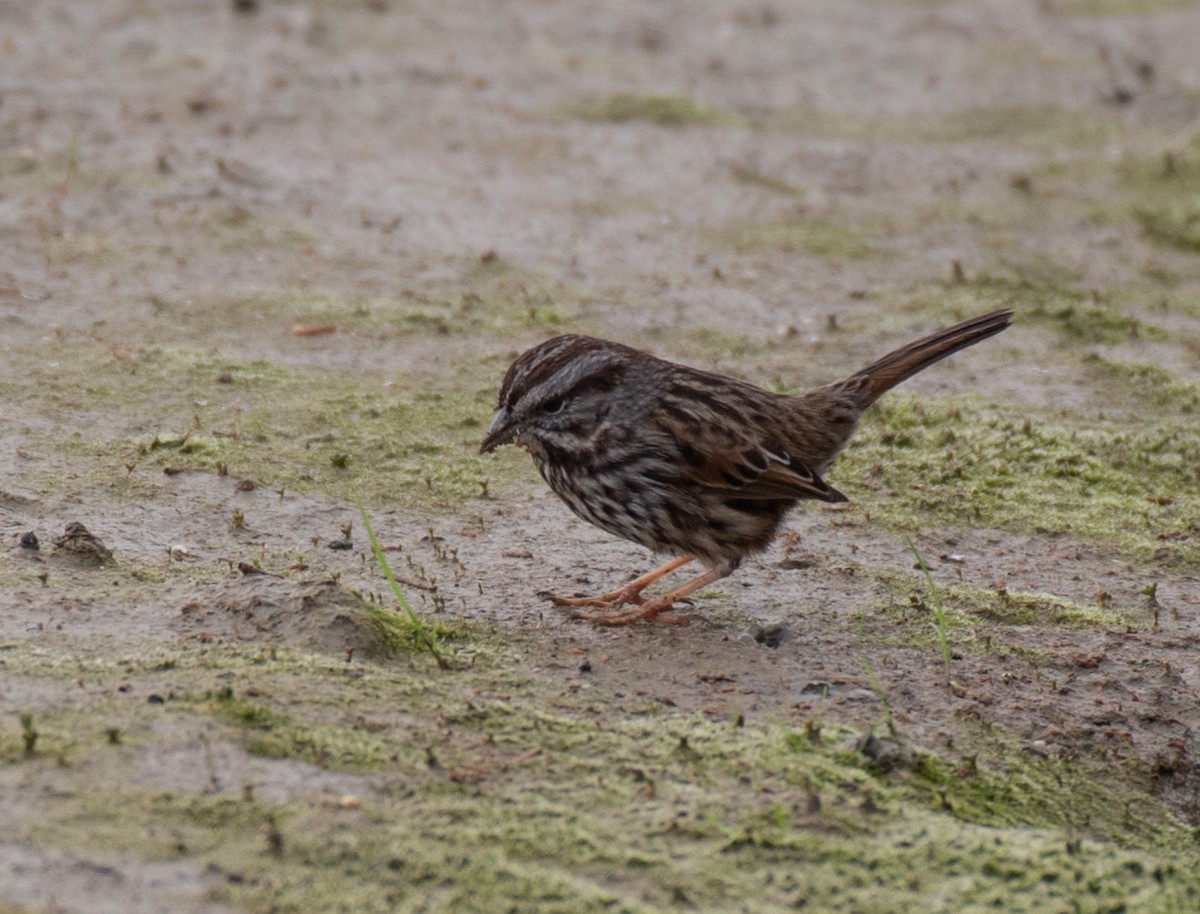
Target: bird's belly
{"points": [[605, 506], [717, 528]]}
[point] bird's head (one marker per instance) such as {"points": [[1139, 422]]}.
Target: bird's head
{"points": [[555, 394]]}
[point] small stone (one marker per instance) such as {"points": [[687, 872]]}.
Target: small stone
{"points": [[887, 754], [772, 635]]}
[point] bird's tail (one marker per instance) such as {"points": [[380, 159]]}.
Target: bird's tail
{"points": [[884, 374]]}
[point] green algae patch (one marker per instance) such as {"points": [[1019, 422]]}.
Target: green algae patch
{"points": [[967, 607], [70, 168], [396, 634], [926, 605], [1048, 127], [1014, 788], [459, 642], [234, 228], [1104, 8], [1078, 314], [1040, 125], [1161, 191], [29, 734], [1176, 223], [818, 237], [495, 298], [663, 110], [493, 790], [1148, 383], [505, 794], [952, 461], [967, 613], [274, 734], [1041, 609], [410, 440], [756, 178]]}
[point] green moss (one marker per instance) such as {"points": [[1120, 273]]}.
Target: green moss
{"points": [[1115, 482], [89, 249], [494, 790], [1176, 223], [1074, 312], [234, 228], [1042, 127], [966, 606], [1148, 383], [817, 237], [415, 440], [1038, 124], [1083, 315], [1100, 8], [70, 168], [278, 735], [911, 610], [1040, 609], [976, 620], [1161, 191], [519, 797], [496, 299], [1026, 789], [664, 110], [396, 634], [758, 179], [189, 825]]}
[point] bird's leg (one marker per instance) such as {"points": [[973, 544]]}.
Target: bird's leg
{"points": [[630, 593], [653, 610]]}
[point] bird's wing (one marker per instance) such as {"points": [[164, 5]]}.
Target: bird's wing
{"points": [[754, 470]]}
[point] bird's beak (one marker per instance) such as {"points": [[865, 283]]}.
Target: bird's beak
{"points": [[501, 431]]}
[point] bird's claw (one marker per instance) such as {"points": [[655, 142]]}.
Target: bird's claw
{"points": [[604, 601], [644, 613]]}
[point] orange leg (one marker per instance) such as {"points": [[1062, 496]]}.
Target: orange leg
{"points": [[630, 593], [652, 610]]}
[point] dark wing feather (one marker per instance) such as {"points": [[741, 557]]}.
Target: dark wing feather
{"points": [[758, 472], [738, 456]]}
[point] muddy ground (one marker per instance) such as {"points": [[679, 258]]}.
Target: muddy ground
{"points": [[258, 260]]}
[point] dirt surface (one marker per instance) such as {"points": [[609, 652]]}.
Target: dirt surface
{"points": [[253, 264]]}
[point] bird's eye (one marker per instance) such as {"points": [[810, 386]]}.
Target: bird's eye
{"points": [[554, 405]]}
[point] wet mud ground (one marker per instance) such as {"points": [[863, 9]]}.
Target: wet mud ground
{"points": [[257, 265]]}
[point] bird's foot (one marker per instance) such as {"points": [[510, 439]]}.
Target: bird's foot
{"points": [[645, 611], [655, 610], [610, 600], [631, 593]]}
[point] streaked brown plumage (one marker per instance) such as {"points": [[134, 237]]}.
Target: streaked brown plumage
{"points": [[685, 461]]}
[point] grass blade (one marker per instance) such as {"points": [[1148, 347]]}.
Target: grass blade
{"points": [[426, 637]]}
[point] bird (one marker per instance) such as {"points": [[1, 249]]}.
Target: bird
{"points": [[683, 461], [78, 542]]}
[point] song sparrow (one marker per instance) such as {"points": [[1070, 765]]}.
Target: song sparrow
{"points": [[684, 461]]}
